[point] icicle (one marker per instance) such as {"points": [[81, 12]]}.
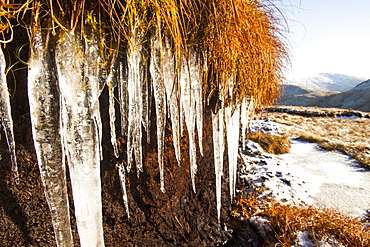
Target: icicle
{"points": [[145, 97], [245, 116], [218, 151], [188, 105], [168, 67], [135, 104], [43, 97], [122, 96], [244, 120], [79, 87], [232, 126], [160, 102], [197, 95], [122, 178], [6, 119], [199, 108], [112, 83]]}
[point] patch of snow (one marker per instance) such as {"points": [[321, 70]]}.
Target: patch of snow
{"points": [[311, 176], [274, 175], [305, 239], [266, 126], [348, 117]]}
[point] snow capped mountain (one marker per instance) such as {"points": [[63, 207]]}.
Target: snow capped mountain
{"points": [[362, 86], [328, 90], [326, 82]]}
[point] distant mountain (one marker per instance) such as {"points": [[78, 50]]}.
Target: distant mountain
{"points": [[326, 82], [357, 97], [362, 86]]}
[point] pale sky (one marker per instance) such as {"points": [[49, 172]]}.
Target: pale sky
{"points": [[328, 36]]}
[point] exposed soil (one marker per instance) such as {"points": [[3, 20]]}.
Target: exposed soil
{"points": [[177, 217]]}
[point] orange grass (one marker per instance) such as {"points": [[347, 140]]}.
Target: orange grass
{"points": [[238, 41], [287, 220], [275, 144]]}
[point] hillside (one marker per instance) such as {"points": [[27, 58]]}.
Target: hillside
{"points": [[357, 97], [326, 82]]}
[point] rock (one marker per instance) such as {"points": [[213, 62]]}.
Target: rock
{"points": [[262, 225], [252, 148]]}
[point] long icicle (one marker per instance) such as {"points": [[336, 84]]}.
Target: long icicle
{"points": [[43, 94], [122, 178], [245, 117], [6, 119], [112, 84], [160, 102], [218, 152], [232, 119], [196, 73], [135, 112], [168, 67], [188, 106], [123, 97], [79, 87]]}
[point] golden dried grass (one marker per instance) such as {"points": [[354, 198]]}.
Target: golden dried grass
{"points": [[275, 144], [11, 10], [240, 41], [287, 220]]}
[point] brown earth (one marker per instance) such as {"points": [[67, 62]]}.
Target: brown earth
{"points": [[177, 217]]}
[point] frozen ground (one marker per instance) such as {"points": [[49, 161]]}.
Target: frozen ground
{"points": [[311, 175], [335, 180]]}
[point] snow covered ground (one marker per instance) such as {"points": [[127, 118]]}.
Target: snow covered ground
{"points": [[310, 175]]}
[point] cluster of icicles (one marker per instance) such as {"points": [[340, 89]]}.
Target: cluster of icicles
{"points": [[64, 85]]}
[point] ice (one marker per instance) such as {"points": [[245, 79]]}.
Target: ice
{"points": [[168, 67], [160, 102], [135, 104], [6, 119], [246, 116], [79, 87], [122, 178], [43, 94], [123, 97], [197, 95], [146, 96], [188, 106], [218, 150], [232, 119], [112, 84]]}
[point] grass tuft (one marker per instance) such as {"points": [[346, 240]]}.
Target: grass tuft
{"points": [[275, 144], [287, 220], [310, 137]]}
